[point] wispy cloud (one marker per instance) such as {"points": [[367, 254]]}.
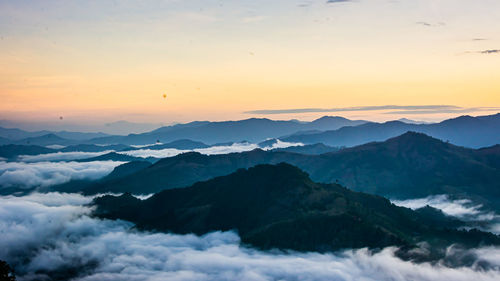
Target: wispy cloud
{"points": [[444, 110], [428, 24], [483, 52], [402, 109], [493, 51], [337, 1], [213, 150]]}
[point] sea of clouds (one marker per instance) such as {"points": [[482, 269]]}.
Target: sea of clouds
{"points": [[47, 235], [44, 174], [139, 151], [44, 170], [213, 150]]}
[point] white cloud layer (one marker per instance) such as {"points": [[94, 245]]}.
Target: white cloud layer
{"points": [[43, 233], [213, 150], [462, 208], [44, 174]]}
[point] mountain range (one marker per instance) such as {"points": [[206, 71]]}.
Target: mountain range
{"points": [[333, 131], [409, 166], [474, 132], [279, 206], [15, 134], [252, 130]]}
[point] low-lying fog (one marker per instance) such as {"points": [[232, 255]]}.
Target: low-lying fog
{"points": [[53, 235]]}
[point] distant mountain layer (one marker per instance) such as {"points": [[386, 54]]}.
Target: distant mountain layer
{"points": [[313, 149], [466, 131], [281, 207], [14, 134], [409, 166], [253, 130], [11, 151]]}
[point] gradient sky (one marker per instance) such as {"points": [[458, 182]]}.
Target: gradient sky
{"points": [[102, 61]]}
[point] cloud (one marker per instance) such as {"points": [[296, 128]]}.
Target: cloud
{"points": [[253, 19], [235, 147], [213, 150], [41, 239], [444, 110], [337, 1], [428, 24], [161, 153], [61, 156], [484, 52], [400, 109], [463, 209], [495, 51], [44, 174], [282, 144], [458, 208]]}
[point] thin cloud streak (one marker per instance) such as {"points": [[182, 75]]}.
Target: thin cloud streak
{"points": [[397, 109]]}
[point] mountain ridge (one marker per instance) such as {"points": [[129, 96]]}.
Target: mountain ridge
{"points": [[279, 206]]}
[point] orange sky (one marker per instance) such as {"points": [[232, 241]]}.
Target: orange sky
{"points": [[215, 60]]}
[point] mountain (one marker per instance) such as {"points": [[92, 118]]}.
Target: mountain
{"points": [[253, 130], [281, 207], [113, 156], [409, 121], [466, 131], [15, 134], [314, 149], [126, 169], [412, 165], [4, 141], [79, 136], [117, 173], [11, 151], [124, 127], [45, 140], [94, 148], [183, 144]]}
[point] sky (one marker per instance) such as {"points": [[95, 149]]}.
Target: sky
{"points": [[105, 61]]}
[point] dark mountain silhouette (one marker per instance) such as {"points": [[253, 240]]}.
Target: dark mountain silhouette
{"points": [[126, 169], [6, 272], [409, 166], [281, 207], [466, 131], [11, 151], [253, 130], [113, 156]]}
